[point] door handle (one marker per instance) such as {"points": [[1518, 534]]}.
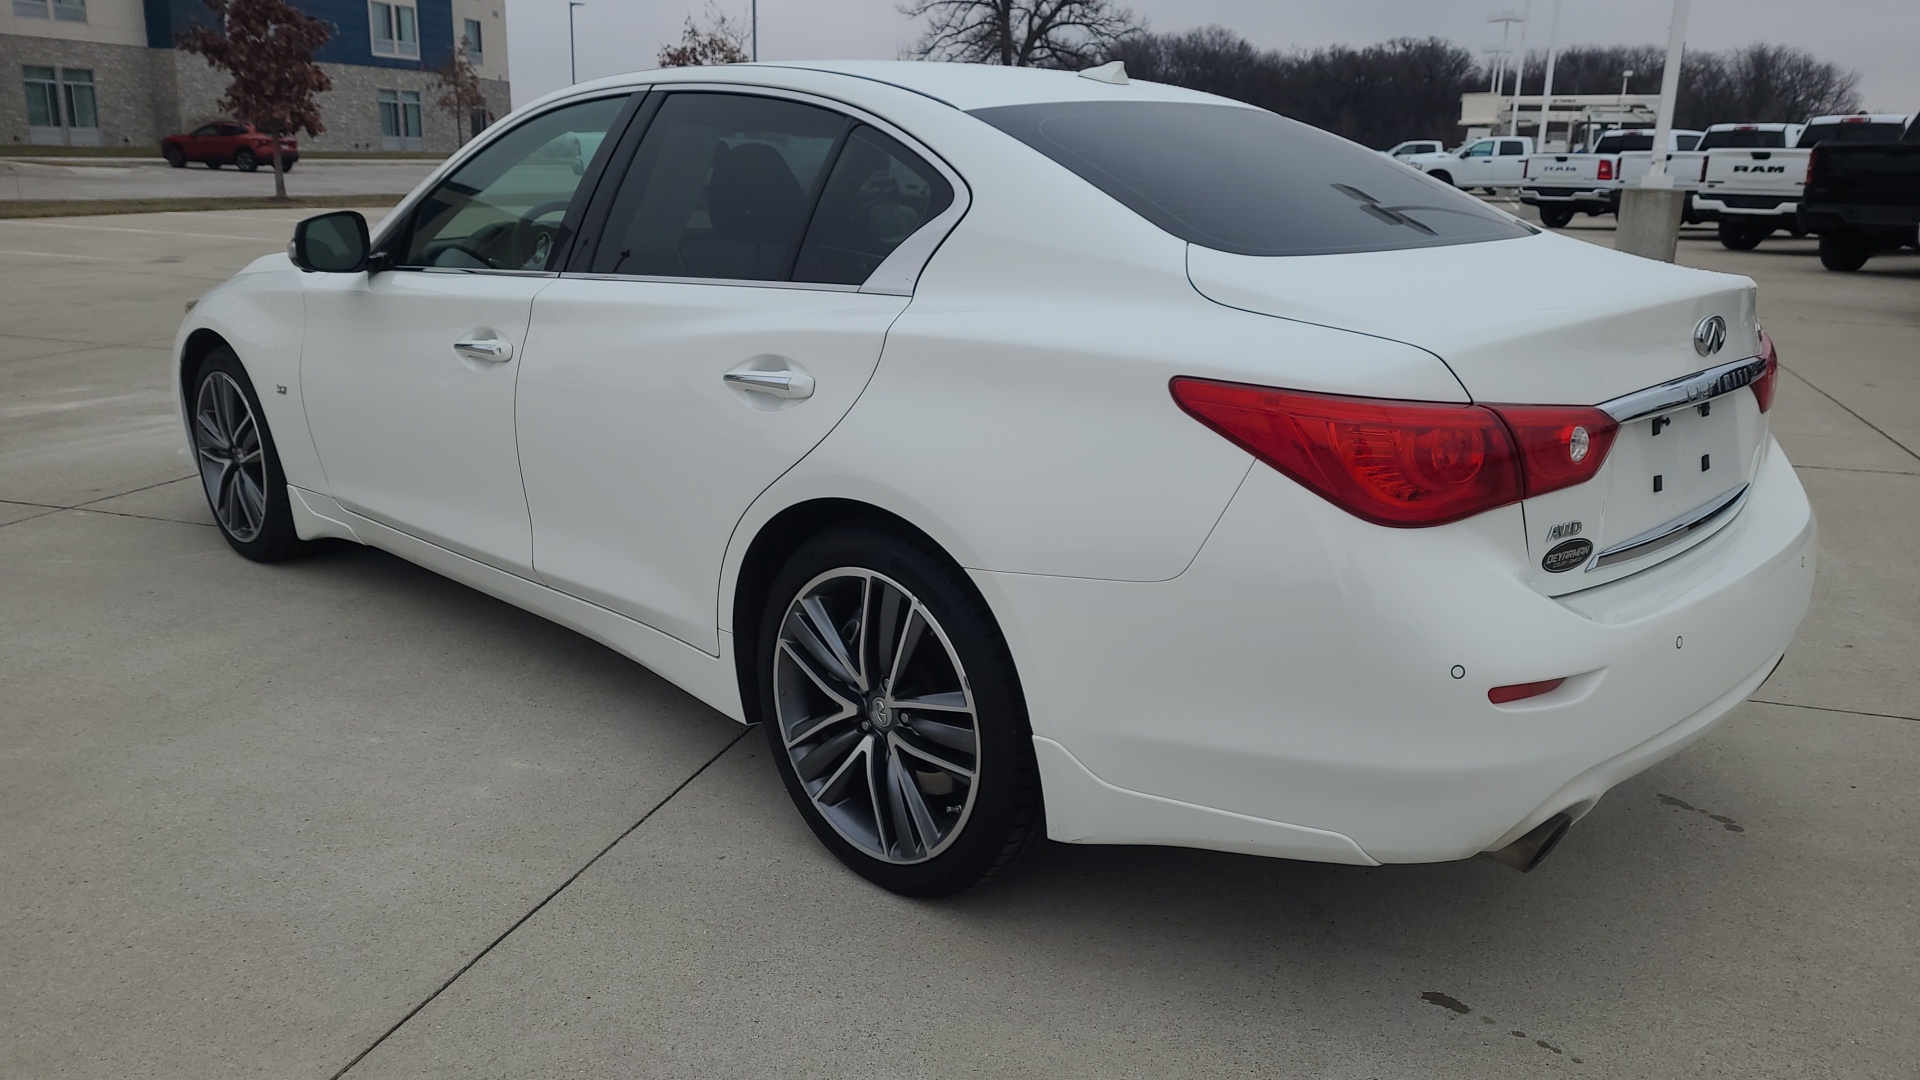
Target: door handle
{"points": [[491, 350], [789, 385]]}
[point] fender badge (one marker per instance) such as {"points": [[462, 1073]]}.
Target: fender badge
{"points": [[1565, 557]]}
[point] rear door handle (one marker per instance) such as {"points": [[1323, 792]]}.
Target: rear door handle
{"points": [[491, 350], [790, 385]]}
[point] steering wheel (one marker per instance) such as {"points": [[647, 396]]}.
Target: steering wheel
{"points": [[530, 243]]}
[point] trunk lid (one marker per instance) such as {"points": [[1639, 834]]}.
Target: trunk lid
{"points": [[1731, 171], [1548, 320], [1560, 170]]}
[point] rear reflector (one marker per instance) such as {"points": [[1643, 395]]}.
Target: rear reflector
{"points": [[1500, 695], [1405, 464], [1763, 386]]}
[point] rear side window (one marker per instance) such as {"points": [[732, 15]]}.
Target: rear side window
{"points": [[1866, 132], [1744, 140], [878, 194], [1620, 142], [1247, 181]]}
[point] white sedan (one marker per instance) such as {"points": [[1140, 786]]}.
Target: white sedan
{"points": [[1035, 454]]}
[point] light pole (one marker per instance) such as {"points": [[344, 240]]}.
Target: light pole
{"points": [[1546, 91], [573, 63], [1506, 19], [1625, 77], [753, 31], [1519, 71], [1650, 213]]}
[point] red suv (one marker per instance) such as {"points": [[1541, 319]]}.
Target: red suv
{"points": [[226, 142]]}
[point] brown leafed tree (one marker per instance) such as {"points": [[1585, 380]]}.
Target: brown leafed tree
{"points": [[1069, 34], [267, 46], [460, 89], [721, 41]]}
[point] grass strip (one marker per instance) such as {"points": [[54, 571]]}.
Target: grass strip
{"points": [[40, 208]]}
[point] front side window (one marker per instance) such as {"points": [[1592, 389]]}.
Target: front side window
{"points": [[721, 187], [43, 97], [396, 29], [1248, 181], [502, 209], [1479, 149]]}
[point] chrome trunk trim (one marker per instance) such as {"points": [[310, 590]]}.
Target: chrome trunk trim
{"points": [[1685, 391], [1673, 531]]}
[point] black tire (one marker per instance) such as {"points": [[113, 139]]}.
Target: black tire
{"points": [[287, 166], [1556, 217], [244, 160], [1737, 235], [1002, 814], [274, 539], [1443, 176], [1844, 251], [175, 157]]}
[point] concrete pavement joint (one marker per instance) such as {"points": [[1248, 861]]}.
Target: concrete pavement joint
{"points": [[1824, 708], [1816, 389], [535, 910], [1844, 468], [89, 507]]}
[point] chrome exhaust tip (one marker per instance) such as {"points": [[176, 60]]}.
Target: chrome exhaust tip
{"points": [[1530, 850]]}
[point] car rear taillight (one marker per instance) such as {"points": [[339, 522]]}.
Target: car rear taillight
{"points": [[1811, 155], [1764, 385], [1405, 464], [1606, 169], [1703, 168]]}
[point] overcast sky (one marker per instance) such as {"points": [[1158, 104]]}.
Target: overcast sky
{"points": [[1878, 38]]}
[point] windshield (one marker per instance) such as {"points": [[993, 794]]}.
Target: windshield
{"points": [[1744, 140], [1250, 182], [1863, 132]]}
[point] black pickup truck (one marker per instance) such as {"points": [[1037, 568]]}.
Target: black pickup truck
{"points": [[1863, 198]]}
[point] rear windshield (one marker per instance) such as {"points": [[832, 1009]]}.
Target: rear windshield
{"points": [[1744, 140], [1850, 133], [1621, 141], [1248, 181]]}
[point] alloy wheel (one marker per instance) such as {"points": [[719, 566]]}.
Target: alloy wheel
{"points": [[876, 715], [232, 460]]}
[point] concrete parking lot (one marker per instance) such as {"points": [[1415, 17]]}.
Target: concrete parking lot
{"points": [[152, 178], [342, 816]]}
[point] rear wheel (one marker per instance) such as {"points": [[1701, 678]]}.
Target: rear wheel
{"points": [[894, 713], [1736, 235], [1556, 217], [244, 160], [239, 467], [175, 157], [1442, 175], [1844, 251]]}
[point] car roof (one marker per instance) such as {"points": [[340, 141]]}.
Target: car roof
{"points": [[963, 86]]}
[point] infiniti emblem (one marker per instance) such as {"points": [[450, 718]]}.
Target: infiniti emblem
{"points": [[1710, 335]]}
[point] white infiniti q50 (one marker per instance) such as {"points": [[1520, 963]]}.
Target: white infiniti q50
{"points": [[1035, 454]]}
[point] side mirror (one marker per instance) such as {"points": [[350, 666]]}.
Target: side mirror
{"points": [[333, 243]]}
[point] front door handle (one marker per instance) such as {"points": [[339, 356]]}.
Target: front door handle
{"points": [[789, 385], [491, 350]]}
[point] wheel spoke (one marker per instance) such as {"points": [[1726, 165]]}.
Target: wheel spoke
{"points": [[830, 756], [954, 701], [951, 736], [823, 680], [253, 499], [916, 802], [896, 781], [910, 632], [886, 625], [209, 428], [813, 628], [934, 759], [836, 789]]}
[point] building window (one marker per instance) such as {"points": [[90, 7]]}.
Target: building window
{"points": [[30, 9], [61, 109], [478, 119], [470, 38], [396, 30], [400, 120], [64, 10]]}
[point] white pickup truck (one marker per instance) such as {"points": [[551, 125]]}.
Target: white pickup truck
{"points": [[1562, 185], [1411, 147], [1752, 190], [1492, 162]]}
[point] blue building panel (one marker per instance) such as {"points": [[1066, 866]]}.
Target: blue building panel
{"points": [[352, 20]]}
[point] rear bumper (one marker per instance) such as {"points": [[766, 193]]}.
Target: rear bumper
{"points": [[1574, 195], [1827, 217], [1748, 206], [1294, 692]]}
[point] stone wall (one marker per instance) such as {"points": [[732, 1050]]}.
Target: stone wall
{"points": [[143, 94], [123, 86]]}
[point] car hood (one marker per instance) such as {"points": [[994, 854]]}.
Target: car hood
{"points": [[1542, 319]]}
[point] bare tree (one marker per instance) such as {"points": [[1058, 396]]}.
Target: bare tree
{"points": [[460, 90], [1067, 34], [721, 41], [267, 46]]}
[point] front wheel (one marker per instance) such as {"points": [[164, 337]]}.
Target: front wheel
{"points": [[244, 160], [1556, 217], [239, 467], [175, 157], [1736, 235], [1443, 176], [1844, 251], [894, 712]]}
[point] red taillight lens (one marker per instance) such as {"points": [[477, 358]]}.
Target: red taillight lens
{"points": [[1703, 168], [1764, 385], [1500, 695], [1405, 464], [1526, 166], [1560, 445], [1606, 169], [1811, 156]]}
